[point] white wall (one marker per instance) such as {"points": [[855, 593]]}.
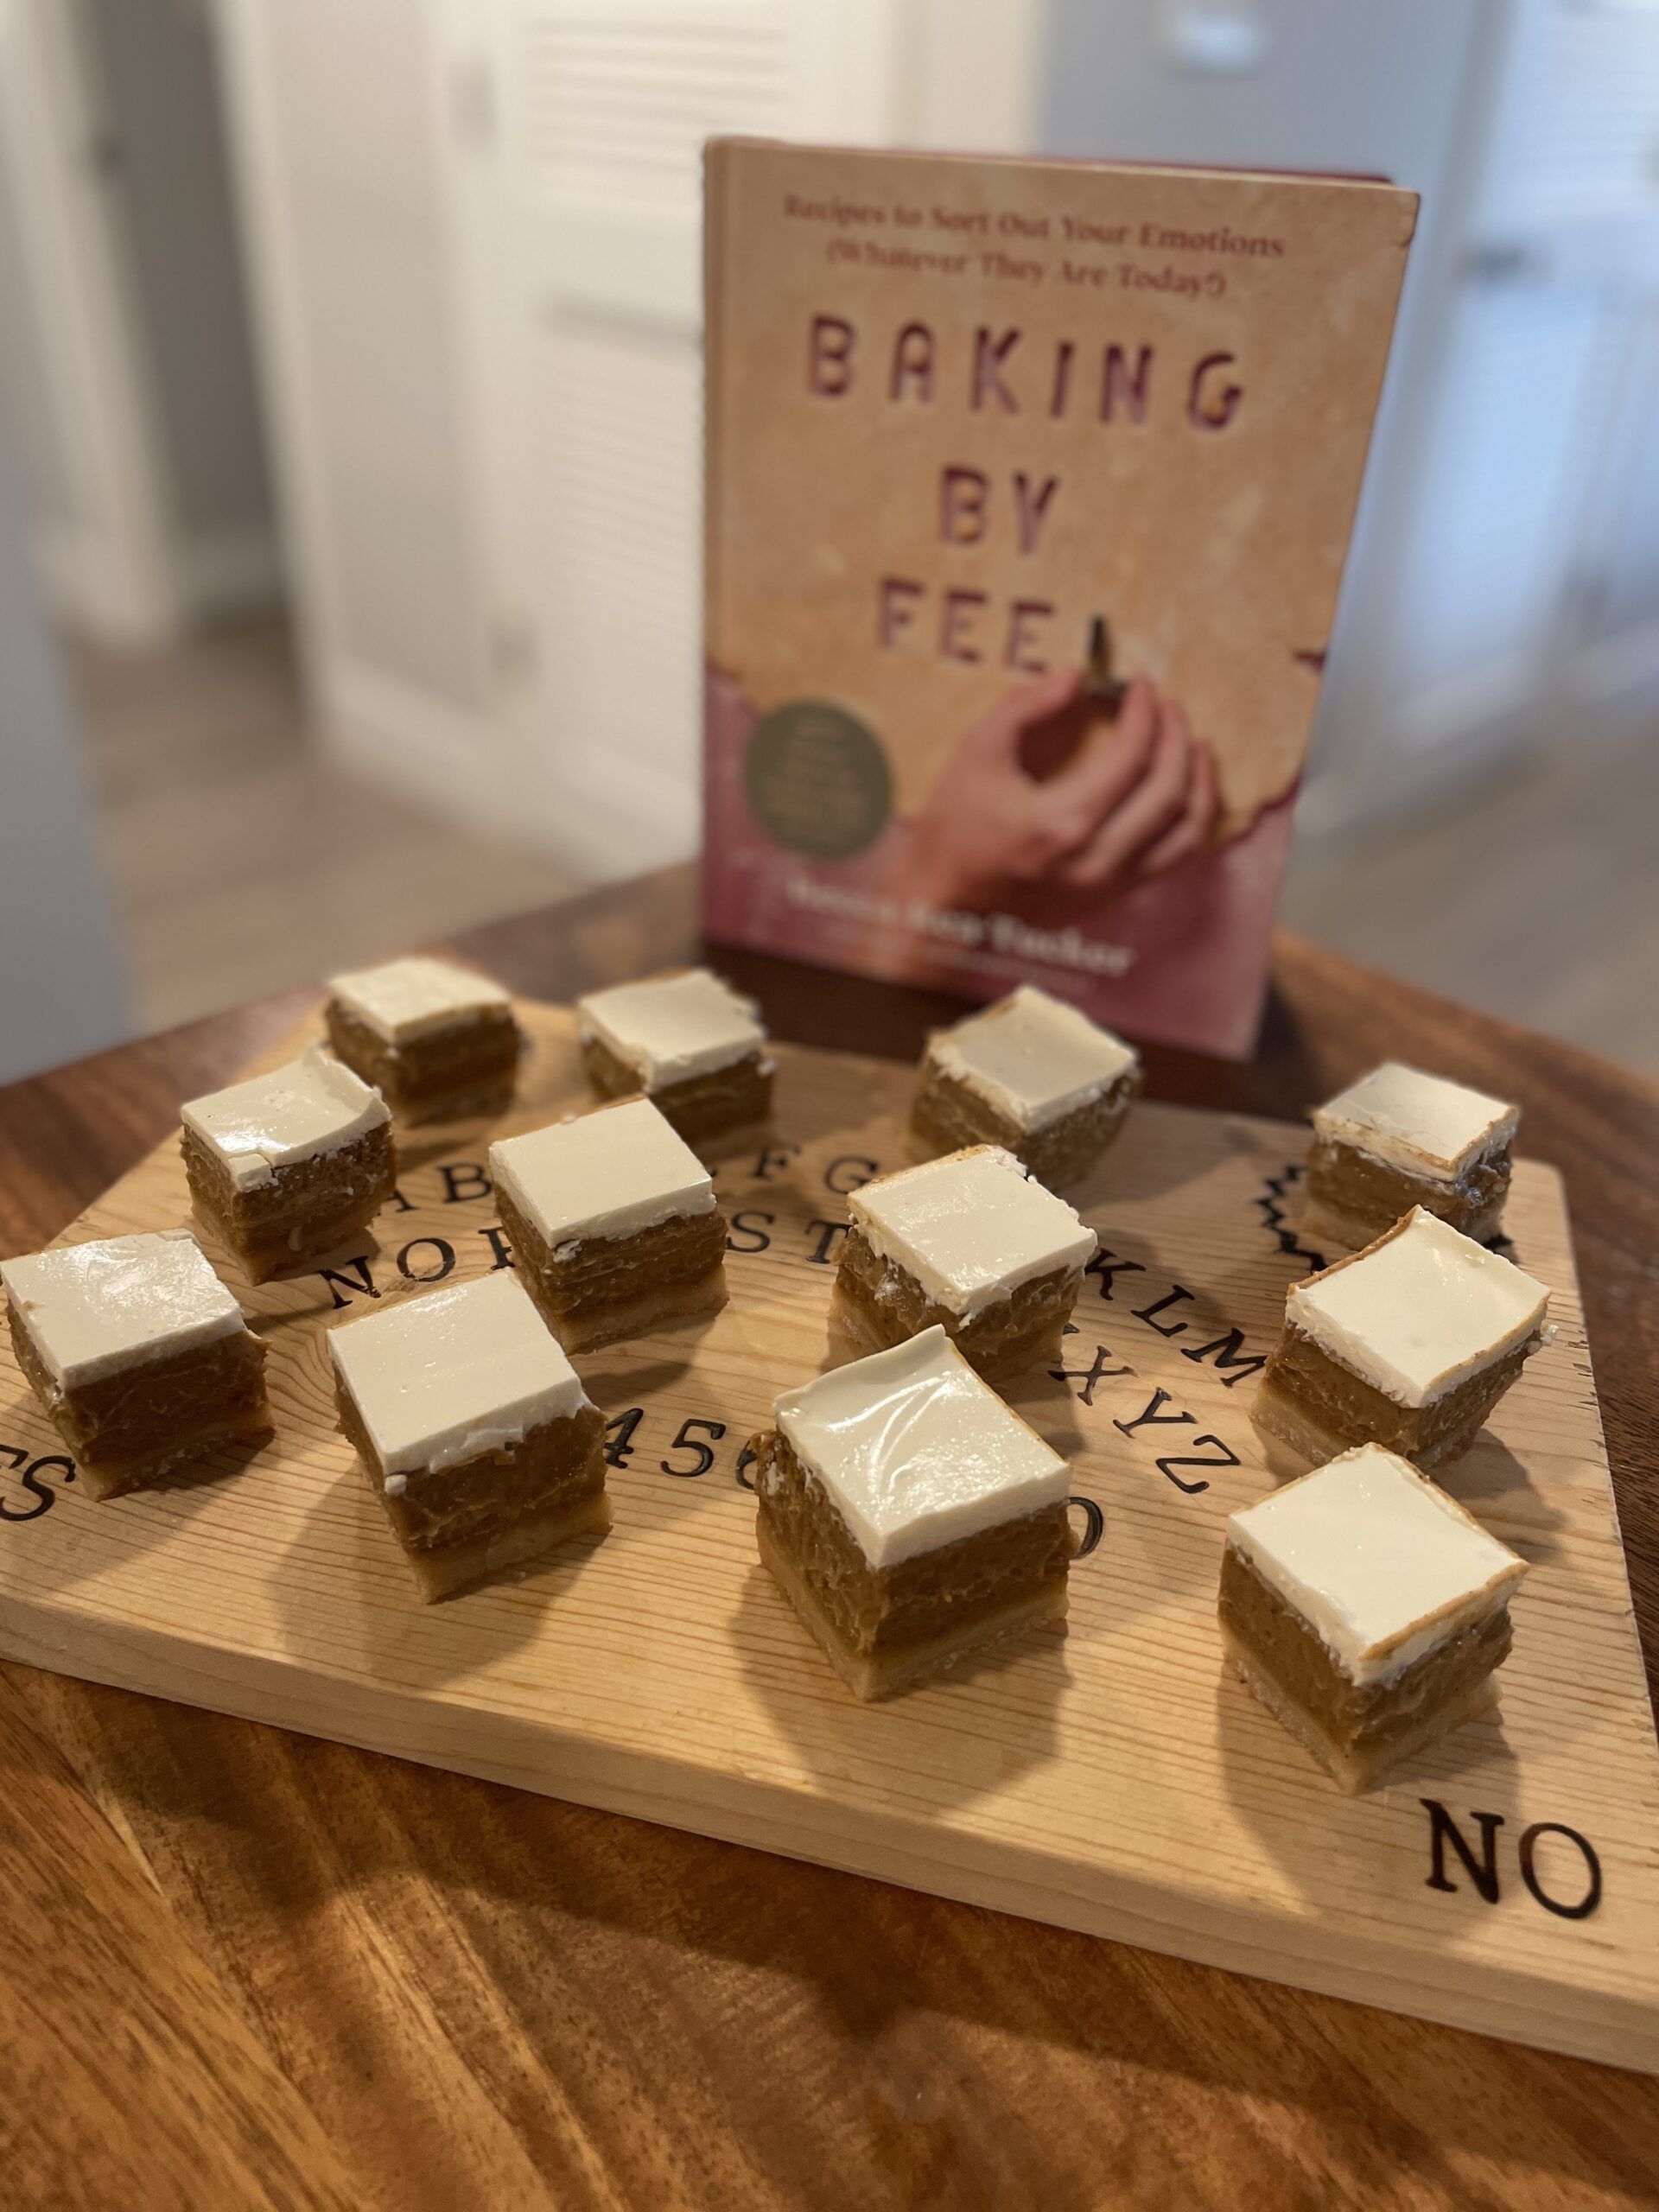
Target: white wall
{"points": [[127, 387], [62, 992], [33, 431], [1502, 587], [153, 76], [1385, 92], [334, 130]]}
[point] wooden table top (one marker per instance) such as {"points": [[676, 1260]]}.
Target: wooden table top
{"points": [[239, 1967]]}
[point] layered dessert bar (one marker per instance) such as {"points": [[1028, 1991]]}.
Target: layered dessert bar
{"points": [[611, 1217], [137, 1352], [285, 1167], [1033, 1075], [910, 1517], [1367, 1610], [1410, 1343], [972, 1243], [474, 1429], [1399, 1139], [689, 1042], [437, 1040]]}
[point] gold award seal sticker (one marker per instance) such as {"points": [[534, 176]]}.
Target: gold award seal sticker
{"points": [[817, 779]]}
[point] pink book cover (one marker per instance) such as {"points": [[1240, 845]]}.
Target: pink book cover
{"points": [[1028, 489]]}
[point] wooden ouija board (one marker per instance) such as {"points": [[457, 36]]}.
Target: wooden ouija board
{"points": [[1111, 1778]]}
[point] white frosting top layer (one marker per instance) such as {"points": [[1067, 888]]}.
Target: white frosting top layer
{"points": [[971, 1227], [1378, 1560], [1424, 1123], [408, 999], [468, 1368], [92, 1309], [916, 1450], [671, 1027], [1418, 1311], [608, 1173], [1032, 1056], [313, 1106]]}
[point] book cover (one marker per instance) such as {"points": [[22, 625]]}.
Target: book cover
{"points": [[1029, 485]]}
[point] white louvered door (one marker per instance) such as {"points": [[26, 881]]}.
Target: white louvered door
{"points": [[1580, 157], [337, 134], [577, 138]]}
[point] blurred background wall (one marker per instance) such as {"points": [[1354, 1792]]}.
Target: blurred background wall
{"points": [[127, 374], [374, 325], [1504, 580]]}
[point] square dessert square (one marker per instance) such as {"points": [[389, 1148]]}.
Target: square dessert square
{"points": [[1410, 1343], [971, 1242], [910, 1517], [285, 1167], [1033, 1075], [1399, 1139], [474, 1429], [1367, 1610], [611, 1217], [694, 1046], [438, 1041], [139, 1355]]}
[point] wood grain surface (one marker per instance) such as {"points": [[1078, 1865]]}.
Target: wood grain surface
{"points": [[238, 1966], [1112, 1779]]}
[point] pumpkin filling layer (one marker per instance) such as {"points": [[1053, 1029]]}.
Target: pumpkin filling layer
{"points": [[949, 1113], [1354, 1196], [735, 1096], [1354, 1728], [878, 1302], [884, 1627], [1310, 1401], [596, 1290], [498, 1509], [305, 1209], [468, 1068], [130, 1427]]}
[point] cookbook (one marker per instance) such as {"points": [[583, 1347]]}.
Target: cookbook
{"points": [[1028, 488]]}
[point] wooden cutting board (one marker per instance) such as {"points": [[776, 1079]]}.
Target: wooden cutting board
{"points": [[1110, 1778]]}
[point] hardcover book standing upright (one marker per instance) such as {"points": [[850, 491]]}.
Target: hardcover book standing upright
{"points": [[1029, 485]]}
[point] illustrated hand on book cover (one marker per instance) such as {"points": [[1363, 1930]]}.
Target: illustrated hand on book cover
{"points": [[1045, 807]]}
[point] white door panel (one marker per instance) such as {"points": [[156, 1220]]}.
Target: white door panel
{"points": [[476, 238], [641, 268], [333, 104], [1577, 132], [582, 230], [1493, 541]]}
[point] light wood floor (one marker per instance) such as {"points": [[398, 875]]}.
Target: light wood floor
{"points": [[243, 863], [1534, 897]]}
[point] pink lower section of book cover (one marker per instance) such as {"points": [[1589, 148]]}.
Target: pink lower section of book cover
{"points": [[1178, 958], [1029, 486]]}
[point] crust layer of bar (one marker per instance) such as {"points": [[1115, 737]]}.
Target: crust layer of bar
{"points": [[461, 1567], [877, 1303], [948, 1115], [1356, 1771], [127, 1430], [305, 1210], [468, 1068], [600, 1290]]}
